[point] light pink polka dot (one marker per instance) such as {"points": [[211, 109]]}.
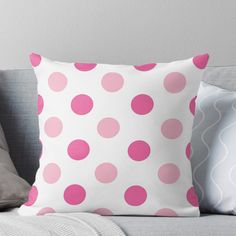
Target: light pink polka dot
{"points": [[201, 61], [108, 127], [57, 81], [103, 212], [46, 210], [174, 82], [192, 197], [85, 66], [142, 104], [166, 212], [112, 82], [192, 105], [139, 150], [82, 104], [32, 197], [51, 173], [135, 195], [78, 149], [106, 173], [53, 127], [145, 67], [74, 194], [35, 59], [188, 151], [168, 173], [40, 104], [172, 128]]}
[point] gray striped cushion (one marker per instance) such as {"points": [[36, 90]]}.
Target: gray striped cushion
{"points": [[214, 149]]}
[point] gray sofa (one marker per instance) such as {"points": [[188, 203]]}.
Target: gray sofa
{"points": [[18, 116]]}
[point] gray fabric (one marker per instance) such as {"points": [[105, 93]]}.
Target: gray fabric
{"points": [[208, 225], [18, 113], [68, 224], [13, 189], [214, 150]]}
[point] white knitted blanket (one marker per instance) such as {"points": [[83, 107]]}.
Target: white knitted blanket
{"points": [[66, 224]]}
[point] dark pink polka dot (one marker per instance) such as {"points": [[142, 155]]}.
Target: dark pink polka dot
{"points": [[103, 212], [108, 127], [145, 67], [51, 173], [142, 104], [46, 210], [201, 61], [78, 149], [82, 104], [135, 195], [174, 82], [57, 81], [192, 197], [53, 127], [32, 197], [85, 66], [168, 173], [192, 105], [166, 212], [139, 150], [74, 194], [188, 151], [40, 104], [172, 128], [106, 173], [35, 59], [112, 82]]}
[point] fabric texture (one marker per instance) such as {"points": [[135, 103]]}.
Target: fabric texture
{"points": [[71, 224], [13, 189], [18, 113], [88, 118], [214, 150]]}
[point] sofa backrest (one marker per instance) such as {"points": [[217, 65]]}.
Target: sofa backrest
{"points": [[18, 113]]}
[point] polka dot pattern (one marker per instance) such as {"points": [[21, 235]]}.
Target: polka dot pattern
{"points": [[116, 139], [201, 61]]}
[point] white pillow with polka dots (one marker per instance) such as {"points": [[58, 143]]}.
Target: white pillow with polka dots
{"points": [[115, 138]]}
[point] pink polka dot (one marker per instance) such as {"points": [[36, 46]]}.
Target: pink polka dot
{"points": [[112, 82], [57, 81], [82, 104], [174, 82], [139, 150], [78, 149], [53, 127], [192, 105], [74, 194], [172, 128], [201, 61], [192, 197], [85, 66], [106, 173], [32, 197], [142, 104], [135, 195], [166, 212], [188, 151], [46, 210], [108, 127], [168, 173], [35, 59], [145, 67], [103, 212], [51, 173], [40, 104]]}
